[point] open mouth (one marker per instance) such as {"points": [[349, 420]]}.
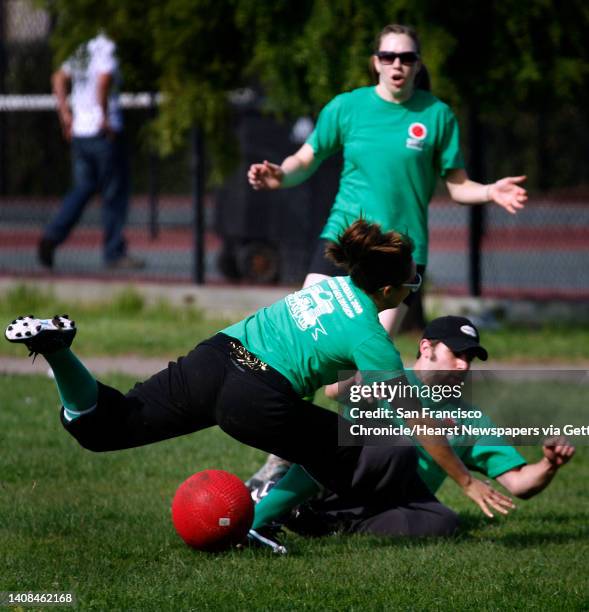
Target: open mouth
{"points": [[398, 79]]}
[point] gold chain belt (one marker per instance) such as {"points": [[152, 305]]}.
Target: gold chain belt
{"points": [[244, 358]]}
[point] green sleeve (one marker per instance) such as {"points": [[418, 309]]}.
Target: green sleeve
{"points": [[492, 461], [327, 137], [489, 455], [449, 153]]}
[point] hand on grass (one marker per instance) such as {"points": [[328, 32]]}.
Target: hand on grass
{"points": [[485, 496]]}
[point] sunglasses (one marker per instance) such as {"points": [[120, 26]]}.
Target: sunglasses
{"points": [[415, 284], [406, 57]]}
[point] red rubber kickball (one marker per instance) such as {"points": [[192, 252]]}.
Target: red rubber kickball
{"points": [[212, 510]]}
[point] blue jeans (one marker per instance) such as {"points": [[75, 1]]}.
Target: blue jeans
{"points": [[99, 164]]}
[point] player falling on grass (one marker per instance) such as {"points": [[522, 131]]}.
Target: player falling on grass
{"points": [[445, 353], [396, 139], [250, 379]]}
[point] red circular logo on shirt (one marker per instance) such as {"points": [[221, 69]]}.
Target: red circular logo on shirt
{"points": [[417, 131]]}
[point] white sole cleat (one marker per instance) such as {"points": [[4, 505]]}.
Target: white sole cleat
{"points": [[42, 335]]}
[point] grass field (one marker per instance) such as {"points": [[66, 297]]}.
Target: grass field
{"points": [[126, 325], [99, 525]]}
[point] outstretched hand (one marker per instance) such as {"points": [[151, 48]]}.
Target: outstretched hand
{"points": [[508, 194], [484, 496], [265, 176], [558, 451]]}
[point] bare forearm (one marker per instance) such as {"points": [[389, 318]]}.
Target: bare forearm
{"points": [[479, 492], [506, 192], [103, 101], [445, 457], [469, 192], [441, 452], [102, 95], [296, 171], [530, 479]]}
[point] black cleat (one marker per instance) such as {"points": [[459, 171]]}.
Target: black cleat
{"points": [[306, 521], [41, 335]]}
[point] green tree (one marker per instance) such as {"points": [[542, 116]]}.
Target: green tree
{"points": [[190, 51], [488, 58]]}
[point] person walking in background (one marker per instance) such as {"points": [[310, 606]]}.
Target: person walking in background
{"points": [[92, 122]]}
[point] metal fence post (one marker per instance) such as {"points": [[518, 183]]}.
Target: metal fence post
{"points": [[197, 178], [154, 183], [2, 91], [475, 238], [476, 217]]}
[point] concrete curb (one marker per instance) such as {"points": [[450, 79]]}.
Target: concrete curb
{"points": [[130, 365], [236, 301], [217, 301], [134, 365]]}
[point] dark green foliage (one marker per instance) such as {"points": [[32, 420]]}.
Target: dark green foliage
{"points": [[503, 58]]}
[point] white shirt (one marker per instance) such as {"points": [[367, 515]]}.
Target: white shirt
{"points": [[96, 57]]}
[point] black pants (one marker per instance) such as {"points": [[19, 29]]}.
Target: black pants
{"points": [[216, 385], [407, 509]]}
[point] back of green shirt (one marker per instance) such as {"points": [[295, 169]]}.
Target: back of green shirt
{"points": [[312, 334], [393, 154]]}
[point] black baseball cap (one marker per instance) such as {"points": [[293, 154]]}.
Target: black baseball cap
{"points": [[457, 333]]}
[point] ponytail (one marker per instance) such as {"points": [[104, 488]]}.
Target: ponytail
{"points": [[372, 258]]}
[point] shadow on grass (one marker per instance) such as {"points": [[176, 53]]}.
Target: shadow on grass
{"points": [[532, 538], [546, 528]]}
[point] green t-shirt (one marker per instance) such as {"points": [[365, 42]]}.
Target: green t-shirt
{"points": [[393, 154], [311, 335], [492, 461]]}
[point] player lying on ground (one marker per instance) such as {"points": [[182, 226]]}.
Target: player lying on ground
{"points": [[250, 378], [446, 350]]}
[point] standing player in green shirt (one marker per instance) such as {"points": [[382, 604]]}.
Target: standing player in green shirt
{"points": [[250, 378], [396, 139]]}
